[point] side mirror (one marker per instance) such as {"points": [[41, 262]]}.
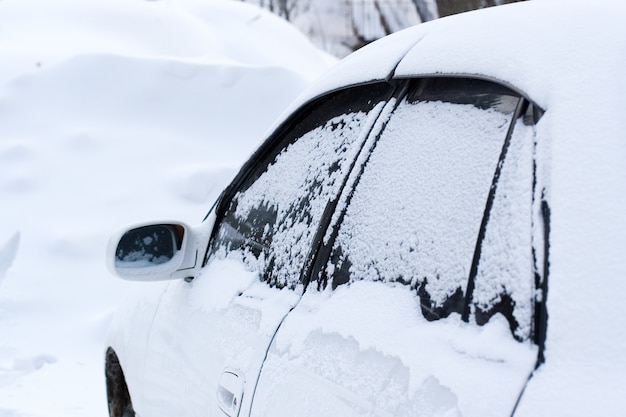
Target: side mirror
{"points": [[153, 252]]}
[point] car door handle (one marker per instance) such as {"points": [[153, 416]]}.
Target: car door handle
{"points": [[230, 392]]}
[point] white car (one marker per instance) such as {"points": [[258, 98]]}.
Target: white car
{"points": [[436, 228]]}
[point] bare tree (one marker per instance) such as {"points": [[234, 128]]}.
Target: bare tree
{"points": [[449, 7], [287, 9], [342, 26], [427, 10]]}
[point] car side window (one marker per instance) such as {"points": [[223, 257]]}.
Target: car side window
{"points": [[270, 217], [504, 281], [416, 211]]}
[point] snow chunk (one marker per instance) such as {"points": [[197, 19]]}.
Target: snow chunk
{"points": [[7, 254]]}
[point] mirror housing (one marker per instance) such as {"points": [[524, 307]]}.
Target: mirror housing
{"points": [[154, 252]]}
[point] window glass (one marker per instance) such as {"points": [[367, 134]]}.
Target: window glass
{"points": [[270, 221], [505, 280], [416, 211]]}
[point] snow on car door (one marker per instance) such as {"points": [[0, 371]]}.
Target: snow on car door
{"points": [[210, 335], [387, 330]]}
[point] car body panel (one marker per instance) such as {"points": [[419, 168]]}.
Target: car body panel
{"points": [[220, 323], [129, 334], [367, 350]]}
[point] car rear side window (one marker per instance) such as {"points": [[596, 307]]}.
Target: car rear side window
{"points": [[415, 215], [276, 203], [504, 281]]}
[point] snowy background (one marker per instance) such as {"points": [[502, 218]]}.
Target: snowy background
{"points": [[114, 112]]}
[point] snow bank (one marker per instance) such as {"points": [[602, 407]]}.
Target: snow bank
{"points": [[113, 112]]}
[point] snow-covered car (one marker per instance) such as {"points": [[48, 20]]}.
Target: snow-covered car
{"points": [[436, 228]]}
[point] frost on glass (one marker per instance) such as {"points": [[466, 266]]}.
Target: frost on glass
{"points": [[146, 246], [505, 281], [270, 224], [416, 212]]}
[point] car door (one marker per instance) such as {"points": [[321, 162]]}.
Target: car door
{"points": [[425, 287], [210, 335]]}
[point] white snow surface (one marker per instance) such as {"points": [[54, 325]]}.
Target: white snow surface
{"points": [[114, 112], [120, 125]]}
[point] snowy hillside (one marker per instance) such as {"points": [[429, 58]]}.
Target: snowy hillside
{"points": [[113, 112]]}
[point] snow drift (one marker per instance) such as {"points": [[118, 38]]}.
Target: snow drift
{"points": [[112, 112]]}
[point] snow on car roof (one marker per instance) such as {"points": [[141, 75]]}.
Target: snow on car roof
{"points": [[536, 47]]}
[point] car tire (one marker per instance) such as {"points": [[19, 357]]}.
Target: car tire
{"points": [[128, 411], [118, 396]]}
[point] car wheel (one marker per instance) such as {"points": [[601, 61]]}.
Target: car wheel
{"points": [[120, 404]]}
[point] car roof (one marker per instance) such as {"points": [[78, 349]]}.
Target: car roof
{"points": [[538, 47]]}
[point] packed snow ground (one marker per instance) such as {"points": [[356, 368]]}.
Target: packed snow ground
{"points": [[114, 112]]}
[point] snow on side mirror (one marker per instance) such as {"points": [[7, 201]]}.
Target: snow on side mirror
{"points": [[152, 252]]}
